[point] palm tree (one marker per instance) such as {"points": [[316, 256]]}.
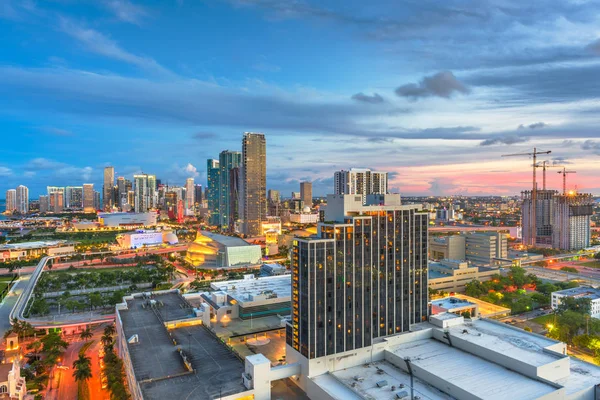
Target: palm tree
{"points": [[106, 339], [82, 368], [109, 330], [86, 334]]}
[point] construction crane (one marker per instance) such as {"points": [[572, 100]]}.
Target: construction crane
{"points": [[532, 228], [545, 164], [564, 173]]}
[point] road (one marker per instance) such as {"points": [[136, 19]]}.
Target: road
{"points": [[62, 383], [9, 302]]}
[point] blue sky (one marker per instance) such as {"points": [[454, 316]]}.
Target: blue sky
{"points": [[433, 92]]}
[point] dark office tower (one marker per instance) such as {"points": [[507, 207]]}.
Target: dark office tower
{"points": [[234, 197], [253, 197], [306, 193], [227, 161], [107, 190], [363, 277], [199, 195], [121, 192], [212, 188]]}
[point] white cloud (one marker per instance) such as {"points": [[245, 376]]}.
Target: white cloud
{"points": [[127, 11]]}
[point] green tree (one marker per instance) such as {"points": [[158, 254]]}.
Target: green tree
{"points": [[86, 334], [82, 368], [109, 330], [580, 305], [95, 300]]}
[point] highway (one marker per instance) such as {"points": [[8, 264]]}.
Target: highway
{"points": [[9, 302]]}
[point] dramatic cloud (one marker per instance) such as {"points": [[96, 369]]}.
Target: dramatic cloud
{"points": [[591, 145], [98, 43], [365, 98], [443, 84], [508, 140], [533, 126], [594, 47], [126, 11]]}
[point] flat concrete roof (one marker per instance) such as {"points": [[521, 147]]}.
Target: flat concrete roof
{"points": [[475, 375], [450, 303], [394, 376], [218, 370], [281, 285], [581, 292]]}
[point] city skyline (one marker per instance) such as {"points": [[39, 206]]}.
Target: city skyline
{"points": [[434, 105]]}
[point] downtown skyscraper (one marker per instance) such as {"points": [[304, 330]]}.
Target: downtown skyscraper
{"points": [[253, 191], [145, 192], [190, 194], [89, 198], [11, 200], [212, 190], [360, 181], [228, 161], [363, 277], [108, 189]]}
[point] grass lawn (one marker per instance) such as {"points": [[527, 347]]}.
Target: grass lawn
{"points": [[77, 270], [544, 319], [591, 264]]}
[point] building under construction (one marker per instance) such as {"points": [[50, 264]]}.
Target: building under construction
{"points": [[561, 221]]}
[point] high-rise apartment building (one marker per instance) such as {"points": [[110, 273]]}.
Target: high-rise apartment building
{"points": [[234, 198], [122, 189], [11, 200], [145, 192], [51, 190], [198, 195], [56, 202], [44, 204], [360, 181], [274, 196], [363, 277], [212, 188], [306, 193], [97, 200], [228, 160], [88, 198], [108, 188], [74, 197], [562, 221], [572, 213], [190, 194], [253, 190]]}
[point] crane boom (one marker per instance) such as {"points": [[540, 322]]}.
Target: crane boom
{"points": [[564, 173], [532, 239]]}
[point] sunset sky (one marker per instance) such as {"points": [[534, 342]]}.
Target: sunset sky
{"points": [[433, 92]]}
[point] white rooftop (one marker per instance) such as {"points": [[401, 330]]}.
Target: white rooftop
{"points": [[450, 303], [243, 290], [482, 378], [366, 385], [35, 245]]}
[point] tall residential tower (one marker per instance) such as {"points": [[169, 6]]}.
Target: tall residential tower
{"points": [[253, 191], [108, 188], [363, 277]]}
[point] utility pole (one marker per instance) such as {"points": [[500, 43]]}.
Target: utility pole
{"points": [[532, 209]]}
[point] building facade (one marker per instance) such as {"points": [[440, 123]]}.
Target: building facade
{"points": [[88, 197], [11, 200], [363, 277], [145, 192], [212, 187], [108, 188], [228, 160], [74, 197], [572, 215], [253, 191], [306, 193], [360, 181]]}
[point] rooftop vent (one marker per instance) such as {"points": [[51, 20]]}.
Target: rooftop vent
{"points": [[382, 384], [134, 339]]}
